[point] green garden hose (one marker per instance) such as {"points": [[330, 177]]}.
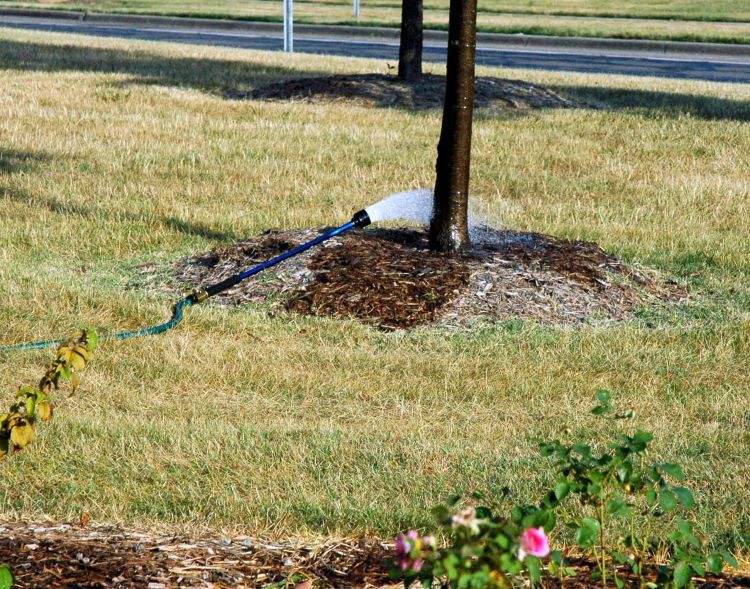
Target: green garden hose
{"points": [[359, 220], [177, 312]]}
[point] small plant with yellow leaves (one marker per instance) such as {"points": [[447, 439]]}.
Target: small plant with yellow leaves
{"points": [[35, 404]]}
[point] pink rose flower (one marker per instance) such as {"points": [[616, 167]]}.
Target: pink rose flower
{"points": [[404, 546], [534, 542]]}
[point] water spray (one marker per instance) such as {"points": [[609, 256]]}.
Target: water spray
{"points": [[415, 205]]}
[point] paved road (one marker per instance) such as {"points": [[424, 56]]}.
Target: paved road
{"points": [[699, 67]]}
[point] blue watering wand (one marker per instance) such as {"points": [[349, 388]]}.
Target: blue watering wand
{"points": [[359, 220]]}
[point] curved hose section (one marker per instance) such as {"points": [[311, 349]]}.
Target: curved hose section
{"points": [[360, 219], [177, 312]]}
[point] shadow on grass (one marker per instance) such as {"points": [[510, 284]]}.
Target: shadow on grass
{"points": [[86, 212], [243, 79], [224, 77], [12, 162], [659, 103]]}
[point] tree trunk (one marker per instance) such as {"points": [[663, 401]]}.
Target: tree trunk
{"points": [[410, 49], [449, 229]]}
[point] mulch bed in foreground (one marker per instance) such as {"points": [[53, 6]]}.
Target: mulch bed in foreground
{"points": [[390, 279], [45, 556], [428, 93]]}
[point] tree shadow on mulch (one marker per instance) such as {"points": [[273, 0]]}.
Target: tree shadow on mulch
{"points": [[387, 91], [389, 278], [495, 95]]}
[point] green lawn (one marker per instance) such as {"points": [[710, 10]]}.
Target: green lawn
{"points": [[115, 154], [686, 20]]}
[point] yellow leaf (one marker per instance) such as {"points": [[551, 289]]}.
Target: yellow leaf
{"points": [[22, 435], [84, 352], [64, 354], [44, 410], [77, 361], [75, 380]]}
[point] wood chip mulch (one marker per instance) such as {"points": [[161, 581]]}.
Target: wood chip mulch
{"points": [[428, 93], [63, 556], [45, 556], [390, 279]]}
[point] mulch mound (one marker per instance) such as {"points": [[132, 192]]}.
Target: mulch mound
{"points": [[428, 93], [45, 556], [389, 278]]}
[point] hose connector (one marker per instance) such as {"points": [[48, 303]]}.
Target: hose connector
{"points": [[197, 297], [361, 219]]}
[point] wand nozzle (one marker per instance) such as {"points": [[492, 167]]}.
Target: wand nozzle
{"points": [[361, 219]]}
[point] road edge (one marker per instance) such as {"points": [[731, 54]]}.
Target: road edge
{"points": [[391, 34]]}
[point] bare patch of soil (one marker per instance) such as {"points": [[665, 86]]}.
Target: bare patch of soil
{"points": [[79, 557], [389, 278], [428, 93]]}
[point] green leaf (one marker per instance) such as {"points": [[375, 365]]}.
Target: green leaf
{"points": [[642, 437], [674, 471], [604, 396], [587, 532], [619, 582], [684, 496], [535, 570], [92, 339], [667, 500], [546, 450], [7, 579], [442, 514], [715, 563], [651, 496], [682, 574], [562, 488], [463, 580], [731, 560], [618, 507], [550, 522]]}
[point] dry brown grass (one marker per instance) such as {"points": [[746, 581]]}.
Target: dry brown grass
{"points": [[114, 154]]}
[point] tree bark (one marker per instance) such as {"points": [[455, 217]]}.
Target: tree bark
{"points": [[410, 49], [449, 229]]}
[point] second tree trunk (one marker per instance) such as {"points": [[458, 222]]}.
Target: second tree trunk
{"points": [[410, 49]]}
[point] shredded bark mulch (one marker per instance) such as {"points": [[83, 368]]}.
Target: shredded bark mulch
{"points": [[47, 556], [389, 278], [428, 93]]}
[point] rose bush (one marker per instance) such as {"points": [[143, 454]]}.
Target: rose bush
{"points": [[616, 491]]}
